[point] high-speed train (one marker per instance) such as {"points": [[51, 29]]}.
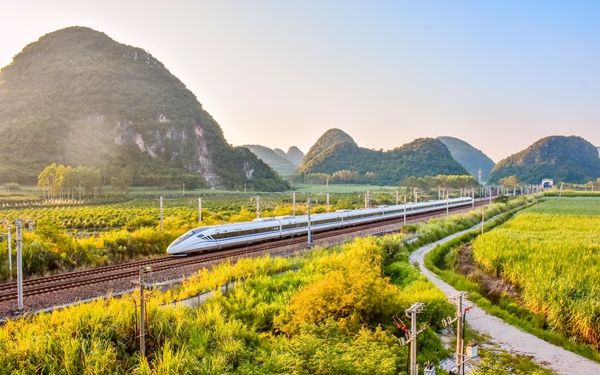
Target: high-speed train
{"points": [[211, 238]]}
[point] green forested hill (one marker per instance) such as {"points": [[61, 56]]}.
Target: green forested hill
{"points": [[469, 157], [77, 97], [336, 151], [564, 159]]}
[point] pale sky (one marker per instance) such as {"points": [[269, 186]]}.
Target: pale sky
{"points": [[497, 74]]}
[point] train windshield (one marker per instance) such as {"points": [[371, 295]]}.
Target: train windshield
{"points": [[184, 237]]}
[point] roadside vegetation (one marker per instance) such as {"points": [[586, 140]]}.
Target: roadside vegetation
{"points": [[537, 271], [333, 314]]}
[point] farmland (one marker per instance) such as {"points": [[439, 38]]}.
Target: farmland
{"points": [[551, 253], [71, 236], [329, 311], [333, 315]]}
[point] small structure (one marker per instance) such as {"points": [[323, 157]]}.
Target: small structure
{"points": [[472, 350], [547, 183], [429, 369]]}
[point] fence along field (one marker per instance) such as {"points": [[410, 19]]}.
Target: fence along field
{"points": [[554, 260]]}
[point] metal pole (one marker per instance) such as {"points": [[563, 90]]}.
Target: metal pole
{"points": [[199, 210], [327, 202], [257, 206], [459, 338], [413, 345], [482, 219], [161, 214], [19, 267], [309, 234], [415, 195], [142, 315], [405, 210], [10, 252], [294, 204], [396, 197], [412, 311], [367, 199], [447, 203]]}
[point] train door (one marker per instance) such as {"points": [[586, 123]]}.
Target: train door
{"points": [[217, 237]]}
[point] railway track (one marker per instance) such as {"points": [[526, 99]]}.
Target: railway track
{"points": [[75, 279]]}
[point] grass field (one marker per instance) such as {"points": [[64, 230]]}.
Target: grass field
{"points": [[551, 253], [587, 206]]}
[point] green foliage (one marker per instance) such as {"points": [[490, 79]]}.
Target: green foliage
{"points": [[564, 290], [441, 261], [238, 332], [79, 98], [11, 186], [337, 155], [564, 159], [493, 364]]}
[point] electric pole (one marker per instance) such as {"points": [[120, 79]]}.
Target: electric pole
{"points": [[404, 210], [143, 286], [309, 240], [257, 206], [161, 213], [19, 267], [411, 335], [199, 210], [10, 251], [459, 317]]}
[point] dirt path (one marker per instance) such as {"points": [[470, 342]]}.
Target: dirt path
{"points": [[508, 337]]}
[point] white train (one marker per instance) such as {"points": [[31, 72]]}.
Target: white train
{"points": [[210, 238]]}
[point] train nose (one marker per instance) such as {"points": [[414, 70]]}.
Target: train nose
{"points": [[174, 248]]}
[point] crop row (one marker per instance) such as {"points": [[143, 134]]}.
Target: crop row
{"points": [[554, 261]]}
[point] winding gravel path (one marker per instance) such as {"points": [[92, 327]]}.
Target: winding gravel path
{"points": [[508, 337]]}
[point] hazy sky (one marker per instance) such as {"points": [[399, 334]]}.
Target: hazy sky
{"points": [[497, 74]]}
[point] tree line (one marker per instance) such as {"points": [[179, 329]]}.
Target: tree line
{"points": [[66, 182]]}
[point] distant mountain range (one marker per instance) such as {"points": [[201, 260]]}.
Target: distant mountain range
{"points": [[77, 97], [284, 163], [564, 159], [336, 152], [469, 157]]}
